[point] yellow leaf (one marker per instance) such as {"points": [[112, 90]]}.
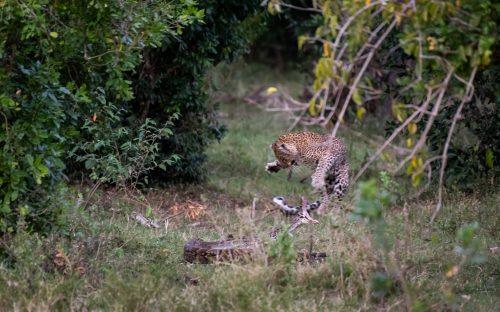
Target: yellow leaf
{"points": [[409, 142], [312, 107], [317, 84], [432, 43], [360, 113], [273, 7], [53, 34], [333, 25], [368, 2], [485, 59], [356, 97], [412, 128], [324, 68], [301, 40], [327, 51], [271, 90], [420, 162], [398, 19], [413, 162], [399, 111]]}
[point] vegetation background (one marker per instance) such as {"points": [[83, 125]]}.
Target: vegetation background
{"points": [[166, 109]]}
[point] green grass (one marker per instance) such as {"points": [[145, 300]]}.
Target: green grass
{"points": [[104, 260]]}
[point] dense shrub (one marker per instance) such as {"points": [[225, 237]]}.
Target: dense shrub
{"points": [[96, 78], [475, 150]]}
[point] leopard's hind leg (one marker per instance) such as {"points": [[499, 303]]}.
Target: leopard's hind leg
{"points": [[336, 185], [341, 182]]}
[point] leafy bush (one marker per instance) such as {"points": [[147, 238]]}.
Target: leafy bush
{"points": [[98, 78], [475, 150], [30, 163], [62, 62], [123, 154]]}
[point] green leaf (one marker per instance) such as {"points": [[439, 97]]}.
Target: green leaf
{"points": [[356, 97], [489, 157], [312, 107], [301, 40], [54, 34], [333, 25]]}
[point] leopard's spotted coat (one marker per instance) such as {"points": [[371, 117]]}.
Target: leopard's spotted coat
{"points": [[325, 154]]}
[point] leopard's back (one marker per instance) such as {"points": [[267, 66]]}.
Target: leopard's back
{"points": [[308, 148]]}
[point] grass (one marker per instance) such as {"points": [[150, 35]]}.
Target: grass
{"points": [[105, 261]]}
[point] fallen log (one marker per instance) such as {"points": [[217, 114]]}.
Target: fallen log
{"points": [[199, 251]]}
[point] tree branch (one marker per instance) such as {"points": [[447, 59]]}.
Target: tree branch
{"points": [[360, 74], [430, 122], [466, 98]]}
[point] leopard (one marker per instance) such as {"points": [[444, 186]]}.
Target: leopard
{"points": [[325, 154]]}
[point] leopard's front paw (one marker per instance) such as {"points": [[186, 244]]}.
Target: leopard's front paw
{"points": [[273, 167]]}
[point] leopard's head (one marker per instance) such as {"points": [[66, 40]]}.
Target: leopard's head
{"points": [[286, 153]]}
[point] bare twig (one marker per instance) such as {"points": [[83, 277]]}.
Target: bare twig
{"points": [[360, 74], [466, 98], [291, 6], [376, 141], [420, 61], [351, 19], [430, 121], [384, 145]]}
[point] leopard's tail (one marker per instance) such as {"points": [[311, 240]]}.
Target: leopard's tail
{"points": [[293, 210]]}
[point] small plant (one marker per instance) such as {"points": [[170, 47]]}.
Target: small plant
{"points": [[381, 285], [370, 202], [282, 249], [369, 206], [283, 255], [468, 248], [123, 155]]}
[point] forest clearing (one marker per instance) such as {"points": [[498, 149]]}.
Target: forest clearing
{"points": [[130, 130]]}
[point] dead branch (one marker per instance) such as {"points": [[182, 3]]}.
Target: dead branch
{"points": [[430, 121], [444, 157], [351, 19], [377, 141], [384, 145], [286, 5], [360, 74]]}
